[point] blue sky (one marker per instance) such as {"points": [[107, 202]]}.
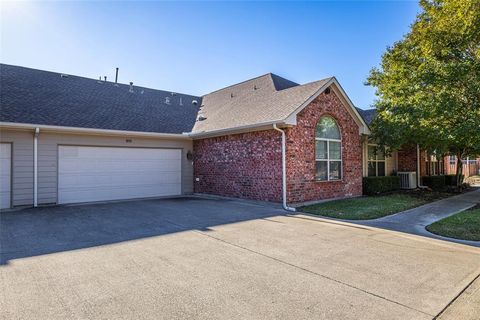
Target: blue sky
{"points": [[195, 48]]}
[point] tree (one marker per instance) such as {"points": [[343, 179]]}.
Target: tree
{"points": [[428, 83]]}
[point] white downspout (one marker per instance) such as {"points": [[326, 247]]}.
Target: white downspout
{"points": [[35, 167], [419, 184], [284, 171]]}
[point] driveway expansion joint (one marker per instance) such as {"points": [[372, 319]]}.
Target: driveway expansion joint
{"points": [[305, 270]]}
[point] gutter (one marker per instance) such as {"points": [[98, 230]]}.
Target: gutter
{"points": [[35, 167], [284, 171], [234, 130], [78, 130]]}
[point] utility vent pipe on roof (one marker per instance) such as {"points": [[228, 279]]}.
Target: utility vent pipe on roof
{"points": [[131, 86], [116, 75]]}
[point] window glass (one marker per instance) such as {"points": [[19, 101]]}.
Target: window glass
{"points": [[321, 149], [328, 150], [371, 152], [322, 169], [381, 168], [335, 170], [335, 152], [327, 128], [380, 154], [372, 169]]}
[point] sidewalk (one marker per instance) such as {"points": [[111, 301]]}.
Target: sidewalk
{"points": [[415, 220]]}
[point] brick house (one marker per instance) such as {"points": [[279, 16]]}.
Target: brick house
{"points": [[68, 139]]}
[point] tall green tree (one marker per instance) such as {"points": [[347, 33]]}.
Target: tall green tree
{"points": [[428, 83]]}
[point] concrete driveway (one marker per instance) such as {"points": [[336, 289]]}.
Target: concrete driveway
{"points": [[218, 259]]}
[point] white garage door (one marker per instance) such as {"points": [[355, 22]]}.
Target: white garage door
{"points": [[101, 173], [5, 174]]}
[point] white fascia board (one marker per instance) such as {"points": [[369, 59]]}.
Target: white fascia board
{"points": [[363, 125], [235, 130], [91, 131]]}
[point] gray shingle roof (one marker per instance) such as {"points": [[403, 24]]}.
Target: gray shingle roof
{"points": [[367, 115], [42, 97], [263, 99], [48, 98]]}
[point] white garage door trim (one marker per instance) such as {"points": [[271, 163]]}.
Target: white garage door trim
{"points": [[99, 173], [5, 175]]}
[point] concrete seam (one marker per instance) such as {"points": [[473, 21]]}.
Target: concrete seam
{"points": [[305, 270], [456, 297]]}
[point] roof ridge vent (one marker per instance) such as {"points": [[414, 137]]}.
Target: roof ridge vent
{"points": [[64, 75]]}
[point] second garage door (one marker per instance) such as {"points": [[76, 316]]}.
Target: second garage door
{"points": [[103, 173]]}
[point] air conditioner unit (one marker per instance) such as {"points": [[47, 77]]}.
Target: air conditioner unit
{"points": [[408, 180]]}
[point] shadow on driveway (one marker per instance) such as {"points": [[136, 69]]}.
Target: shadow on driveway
{"points": [[38, 231]]}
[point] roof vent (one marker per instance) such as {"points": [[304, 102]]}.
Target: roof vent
{"points": [[131, 87], [194, 102], [201, 118], [172, 93], [231, 95], [105, 78], [327, 91], [181, 102], [167, 100], [99, 79], [255, 87], [64, 75]]}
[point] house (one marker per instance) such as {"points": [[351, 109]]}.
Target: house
{"points": [[411, 159], [68, 139]]}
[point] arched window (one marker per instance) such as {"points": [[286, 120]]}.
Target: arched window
{"points": [[328, 150]]}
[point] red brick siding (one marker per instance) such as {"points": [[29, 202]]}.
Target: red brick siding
{"points": [[407, 160], [301, 168], [245, 165]]}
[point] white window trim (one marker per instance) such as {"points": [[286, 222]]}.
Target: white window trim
{"points": [[376, 160], [328, 160]]}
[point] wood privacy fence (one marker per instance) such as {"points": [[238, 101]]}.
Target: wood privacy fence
{"points": [[469, 169]]}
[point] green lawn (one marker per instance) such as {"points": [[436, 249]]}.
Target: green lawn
{"points": [[372, 207], [464, 225]]}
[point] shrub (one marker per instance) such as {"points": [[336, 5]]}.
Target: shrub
{"points": [[434, 182], [450, 179], [377, 185]]}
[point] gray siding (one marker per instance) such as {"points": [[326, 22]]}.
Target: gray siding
{"points": [[22, 165], [48, 143]]}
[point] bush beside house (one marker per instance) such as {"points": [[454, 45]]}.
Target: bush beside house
{"points": [[377, 185], [434, 182]]}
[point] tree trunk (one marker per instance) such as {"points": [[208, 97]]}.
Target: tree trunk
{"points": [[459, 170]]}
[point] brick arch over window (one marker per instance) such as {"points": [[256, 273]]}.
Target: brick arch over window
{"points": [[328, 149]]}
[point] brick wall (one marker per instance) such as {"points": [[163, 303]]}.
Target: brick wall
{"points": [[407, 160], [301, 167], [245, 165]]}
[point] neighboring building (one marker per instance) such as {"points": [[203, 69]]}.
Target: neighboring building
{"points": [[68, 139], [405, 159]]}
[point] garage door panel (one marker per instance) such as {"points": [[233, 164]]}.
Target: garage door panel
{"points": [[118, 166], [127, 179], [5, 174], [104, 173]]}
